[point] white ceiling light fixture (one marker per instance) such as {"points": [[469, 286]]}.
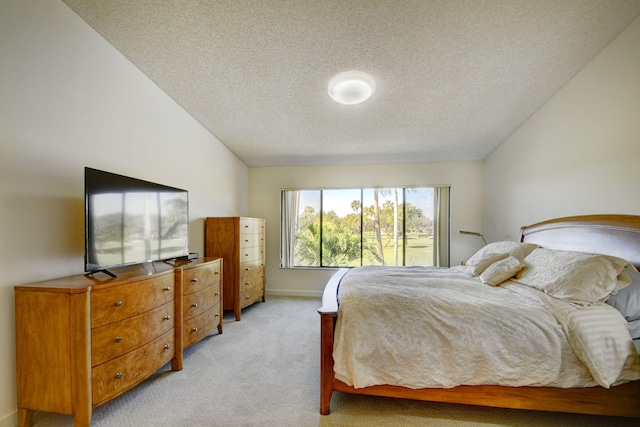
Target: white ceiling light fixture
{"points": [[351, 87]]}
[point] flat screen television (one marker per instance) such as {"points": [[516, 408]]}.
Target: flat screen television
{"points": [[131, 221]]}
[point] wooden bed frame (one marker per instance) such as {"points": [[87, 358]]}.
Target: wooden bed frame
{"points": [[617, 235]]}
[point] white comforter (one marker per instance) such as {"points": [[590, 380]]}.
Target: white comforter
{"points": [[437, 327]]}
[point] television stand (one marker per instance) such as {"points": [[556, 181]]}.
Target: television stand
{"points": [[101, 270], [81, 342]]}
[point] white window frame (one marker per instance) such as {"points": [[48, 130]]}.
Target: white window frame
{"points": [[288, 223]]}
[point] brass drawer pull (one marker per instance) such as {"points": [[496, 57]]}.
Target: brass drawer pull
{"points": [[118, 339], [195, 329], [217, 294], [247, 269], [194, 280], [167, 317], [119, 375], [247, 297], [168, 288], [117, 303], [167, 346], [195, 304], [216, 272], [217, 315]]}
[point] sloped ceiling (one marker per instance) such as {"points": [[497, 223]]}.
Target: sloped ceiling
{"points": [[454, 77]]}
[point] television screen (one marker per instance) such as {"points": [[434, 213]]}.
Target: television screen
{"points": [[129, 221]]}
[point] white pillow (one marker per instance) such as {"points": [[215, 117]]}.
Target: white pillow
{"points": [[501, 270], [477, 265], [627, 300], [517, 249], [573, 276], [634, 329]]}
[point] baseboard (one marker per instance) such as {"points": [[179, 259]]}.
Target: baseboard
{"points": [[10, 420], [293, 293]]}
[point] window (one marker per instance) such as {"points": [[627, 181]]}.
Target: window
{"points": [[365, 226]]}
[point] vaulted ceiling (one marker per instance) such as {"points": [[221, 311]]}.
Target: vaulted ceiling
{"points": [[454, 77]]}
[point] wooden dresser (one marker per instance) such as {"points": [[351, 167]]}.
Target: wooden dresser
{"points": [[240, 242], [202, 307], [83, 340]]}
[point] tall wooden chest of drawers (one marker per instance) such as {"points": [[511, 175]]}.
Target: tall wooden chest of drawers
{"points": [[202, 305], [81, 341], [240, 242]]}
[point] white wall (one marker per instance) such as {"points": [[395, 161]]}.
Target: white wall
{"points": [[68, 100], [465, 178], [579, 154]]}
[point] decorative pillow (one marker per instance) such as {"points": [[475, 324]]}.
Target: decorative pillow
{"points": [[477, 265], [572, 276], [634, 329], [627, 300], [501, 270], [624, 280], [517, 249]]}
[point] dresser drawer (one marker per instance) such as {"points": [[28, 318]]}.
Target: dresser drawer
{"points": [[198, 302], [251, 240], [198, 327], [119, 302], [251, 296], [115, 339], [251, 254], [251, 268], [251, 225], [201, 277], [118, 375], [250, 282]]}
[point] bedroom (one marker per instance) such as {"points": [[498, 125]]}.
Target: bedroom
{"points": [[52, 107]]}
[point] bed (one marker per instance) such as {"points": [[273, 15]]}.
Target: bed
{"points": [[616, 236]]}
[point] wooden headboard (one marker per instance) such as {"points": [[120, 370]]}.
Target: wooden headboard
{"points": [[617, 235]]}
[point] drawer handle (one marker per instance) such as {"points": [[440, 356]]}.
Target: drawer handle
{"points": [[195, 304], [118, 339], [246, 240], [216, 272], [217, 294], [117, 303], [194, 280], [167, 346], [247, 269], [247, 283], [195, 329], [168, 288], [247, 297], [119, 375], [217, 315], [167, 317]]}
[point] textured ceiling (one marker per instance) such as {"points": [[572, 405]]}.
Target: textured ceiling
{"points": [[454, 77]]}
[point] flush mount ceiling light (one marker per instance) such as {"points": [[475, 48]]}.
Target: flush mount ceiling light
{"points": [[351, 87]]}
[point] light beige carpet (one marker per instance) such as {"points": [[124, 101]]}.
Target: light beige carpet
{"points": [[264, 371]]}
